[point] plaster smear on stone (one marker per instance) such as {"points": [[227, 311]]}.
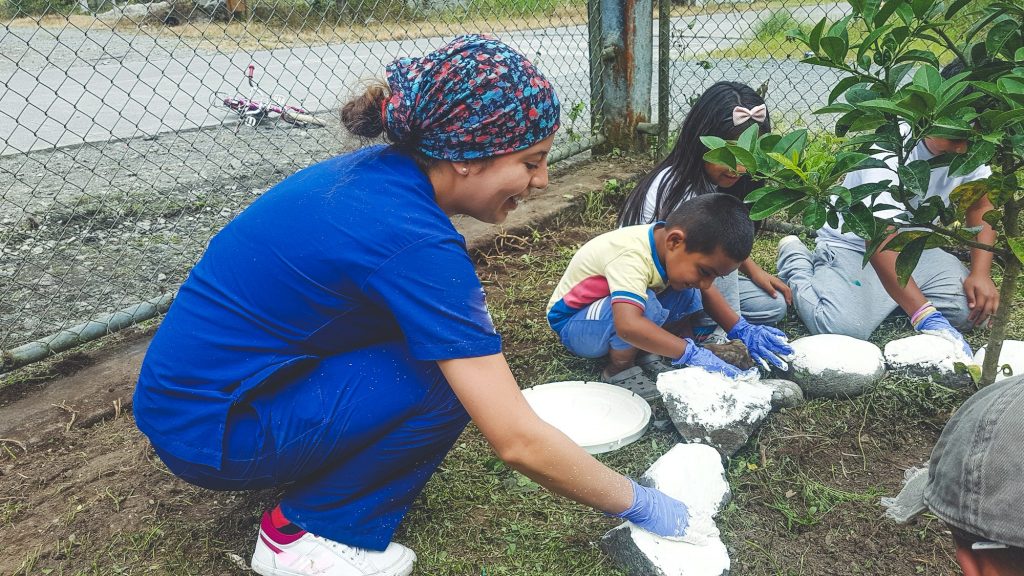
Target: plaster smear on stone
{"points": [[675, 558], [926, 351], [692, 474], [1012, 354], [816, 354], [713, 399]]}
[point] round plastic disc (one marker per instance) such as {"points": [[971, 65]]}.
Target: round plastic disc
{"points": [[597, 416]]}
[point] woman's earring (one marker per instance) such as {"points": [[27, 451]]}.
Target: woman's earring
{"points": [[464, 170]]}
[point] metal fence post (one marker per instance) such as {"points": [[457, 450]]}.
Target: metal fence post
{"points": [[624, 56]]}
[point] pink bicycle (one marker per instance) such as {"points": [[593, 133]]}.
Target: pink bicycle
{"points": [[252, 111]]}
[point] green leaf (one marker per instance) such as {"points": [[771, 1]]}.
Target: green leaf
{"points": [[977, 154], [772, 203], [814, 215], [857, 95], [789, 164], [1017, 246], [888, 7], [888, 107], [835, 48], [744, 157], [918, 56], [792, 142], [955, 8], [713, 142], [837, 108], [921, 8], [999, 34], [749, 137], [815, 39], [993, 217], [965, 195], [860, 220], [906, 262], [756, 195], [1008, 118], [841, 87], [928, 78], [723, 156], [915, 176], [845, 162], [870, 39]]}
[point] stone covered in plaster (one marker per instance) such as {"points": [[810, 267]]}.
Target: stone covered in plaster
{"points": [[640, 553], [785, 394], [835, 366], [710, 408], [692, 473], [928, 356], [1011, 354]]}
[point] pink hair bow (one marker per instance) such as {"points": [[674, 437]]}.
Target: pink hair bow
{"points": [[741, 114]]}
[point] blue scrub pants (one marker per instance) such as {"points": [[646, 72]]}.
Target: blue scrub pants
{"points": [[590, 333], [352, 443]]}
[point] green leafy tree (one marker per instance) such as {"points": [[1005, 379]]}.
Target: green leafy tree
{"points": [[891, 97]]}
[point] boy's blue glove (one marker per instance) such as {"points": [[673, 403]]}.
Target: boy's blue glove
{"points": [[937, 325], [657, 512], [765, 343], [697, 356]]}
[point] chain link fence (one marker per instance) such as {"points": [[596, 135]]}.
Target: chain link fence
{"points": [[119, 158], [749, 45]]}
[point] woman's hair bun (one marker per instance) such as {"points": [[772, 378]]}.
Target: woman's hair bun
{"points": [[362, 115]]}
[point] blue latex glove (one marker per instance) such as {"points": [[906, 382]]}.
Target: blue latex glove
{"points": [[937, 325], [697, 356], [764, 343], [656, 512]]}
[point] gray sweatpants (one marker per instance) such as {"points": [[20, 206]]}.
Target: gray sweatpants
{"points": [[834, 293], [748, 300]]}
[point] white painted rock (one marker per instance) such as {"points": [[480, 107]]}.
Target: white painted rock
{"points": [[785, 394], [710, 408], [835, 366], [692, 473], [640, 553], [928, 356], [1012, 354]]}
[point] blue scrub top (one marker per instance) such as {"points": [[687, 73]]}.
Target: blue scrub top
{"points": [[348, 253]]}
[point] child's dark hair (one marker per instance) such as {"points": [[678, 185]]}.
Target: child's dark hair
{"points": [[713, 221], [711, 115], [362, 117]]}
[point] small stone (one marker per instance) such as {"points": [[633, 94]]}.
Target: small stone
{"points": [[785, 394], [711, 408], [928, 356], [835, 366]]}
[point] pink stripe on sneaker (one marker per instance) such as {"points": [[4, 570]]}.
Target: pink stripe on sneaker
{"points": [[267, 527], [270, 544]]}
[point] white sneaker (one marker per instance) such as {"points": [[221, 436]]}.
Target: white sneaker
{"points": [[306, 554]]}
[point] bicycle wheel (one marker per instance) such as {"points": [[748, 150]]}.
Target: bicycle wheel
{"points": [[300, 119]]}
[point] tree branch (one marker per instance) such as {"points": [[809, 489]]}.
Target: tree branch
{"points": [[970, 243]]}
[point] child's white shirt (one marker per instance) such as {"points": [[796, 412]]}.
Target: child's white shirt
{"points": [[940, 184]]}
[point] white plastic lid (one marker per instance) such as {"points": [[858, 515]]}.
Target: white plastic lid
{"points": [[597, 416]]}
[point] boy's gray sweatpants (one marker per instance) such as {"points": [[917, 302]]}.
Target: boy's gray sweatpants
{"points": [[748, 300], [834, 293]]}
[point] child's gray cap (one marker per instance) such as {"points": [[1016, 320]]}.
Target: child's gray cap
{"points": [[976, 473]]}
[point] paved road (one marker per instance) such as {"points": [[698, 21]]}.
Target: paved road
{"points": [[67, 86]]}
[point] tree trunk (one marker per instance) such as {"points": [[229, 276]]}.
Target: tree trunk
{"points": [[1001, 319]]}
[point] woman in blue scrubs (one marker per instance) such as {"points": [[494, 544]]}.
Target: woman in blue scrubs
{"points": [[334, 340]]}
